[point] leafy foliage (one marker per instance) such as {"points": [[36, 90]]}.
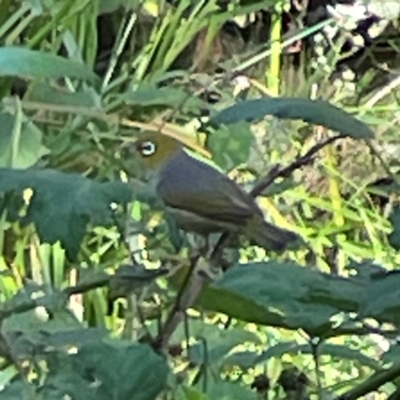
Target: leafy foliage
{"points": [[62, 205], [25, 63], [96, 303], [290, 296], [74, 375], [30, 147]]}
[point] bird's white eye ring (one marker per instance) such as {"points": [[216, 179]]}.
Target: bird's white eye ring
{"points": [[148, 148]]}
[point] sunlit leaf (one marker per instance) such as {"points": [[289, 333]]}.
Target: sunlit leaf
{"points": [[20, 147], [242, 359], [194, 394], [346, 353], [279, 350]]}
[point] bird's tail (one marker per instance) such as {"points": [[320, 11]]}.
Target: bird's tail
{"points": [[271, 237]]}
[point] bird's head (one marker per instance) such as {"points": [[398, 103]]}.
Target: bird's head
{"points": [[155, 150]]}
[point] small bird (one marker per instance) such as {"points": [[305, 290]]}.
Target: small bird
{"points": [[204, 200]]}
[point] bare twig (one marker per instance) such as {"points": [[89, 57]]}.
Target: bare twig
{"points": [[273, 174], [188, 294], [284, 172]]}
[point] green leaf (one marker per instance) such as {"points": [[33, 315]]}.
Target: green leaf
{"points": [[67, 384], [283, 294], [33, 331], [231, 145], [317, 112], [218, 344], [193, 394], [44, 93], [125, 371], [242, 359], [67, 378], [345, 352], [121, 371], [382, 298], [394, 237], [63, 205], [25, 63], [147, 95], [279, 350], [18, 389], [26, 150], [381, 292], [392, 355]]}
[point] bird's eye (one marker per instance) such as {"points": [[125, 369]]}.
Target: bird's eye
{"points": [[147, 148]]}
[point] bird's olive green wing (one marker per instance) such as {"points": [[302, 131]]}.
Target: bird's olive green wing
{"points": [[191, 185]]}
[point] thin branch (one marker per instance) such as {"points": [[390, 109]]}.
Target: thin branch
{"points": [[276, 172], [10, 309], [188, 294], [285, 172]]}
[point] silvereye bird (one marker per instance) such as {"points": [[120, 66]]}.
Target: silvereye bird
{"points": [[204, 200]]}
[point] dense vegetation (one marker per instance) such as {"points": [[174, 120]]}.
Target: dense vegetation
{"points": [[101, 297]]}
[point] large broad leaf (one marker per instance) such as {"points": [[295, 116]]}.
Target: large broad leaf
{"points": [[291, 296], [25, 63], [20, 142], [62, 205], [317, 112], [383, 298], [285, 295], [18, 389], [29, 333], [101, 370], [124, 371], [394, 237]]}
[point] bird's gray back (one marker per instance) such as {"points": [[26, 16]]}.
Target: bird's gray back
{"points": [[192, 185]]}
